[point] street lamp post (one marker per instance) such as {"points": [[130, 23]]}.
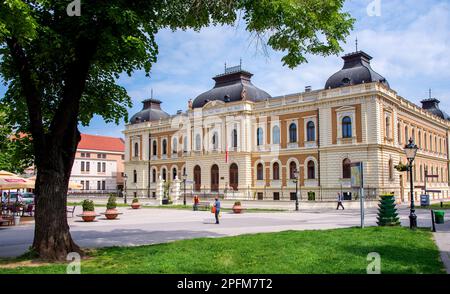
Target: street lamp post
{"points": [[125, 189], [184, 183], [296, 175], [410, 152]]}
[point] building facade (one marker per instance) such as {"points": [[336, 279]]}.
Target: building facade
{"points": [[238, 141], [99, 164]]}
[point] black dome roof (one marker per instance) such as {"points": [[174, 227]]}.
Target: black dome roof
{"points": [[150, 112], [432, 105], [356, 70], [234, 85]]}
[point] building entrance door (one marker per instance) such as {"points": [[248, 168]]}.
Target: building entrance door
{"points": [[214, 178]]}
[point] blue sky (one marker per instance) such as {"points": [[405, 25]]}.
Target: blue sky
{"points": [[409, 42]]}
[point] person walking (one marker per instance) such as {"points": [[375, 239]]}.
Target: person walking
{"points": [[196, 202], [217, 209], [340, 198]]}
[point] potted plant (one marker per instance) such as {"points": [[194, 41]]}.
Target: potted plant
{"points": [[18, 206], [311, 196], [401, 167], [111, 211], [88, 214], [237, 208], [135, 203]]}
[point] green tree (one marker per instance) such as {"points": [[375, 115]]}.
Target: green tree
{"points": [[62, 70], [16, 153], [387, 212]]}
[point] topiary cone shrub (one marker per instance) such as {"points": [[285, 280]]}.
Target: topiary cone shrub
{"points": [[387, 211]]}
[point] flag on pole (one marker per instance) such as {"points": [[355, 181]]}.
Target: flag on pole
{"points": [[226, 154]]}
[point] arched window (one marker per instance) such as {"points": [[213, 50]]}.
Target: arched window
{"points": [[311, 170], [185, 144], [259, 136], [164, 174], [164, 147], [346, 169], [134, 176], [276, 135], [435, 144], [174, 145], [259, 172], [198, 142], [214, 178], [215, 141], [174, 173], [431, 142], [413, 134], [292, 133], [197, 178], [154, 175], [234, 176], [275, 171], [425, 141], [136, 149], [310, 131], [155, 148], [399, 133], [234, 138], [421, 173], [292, 169], [419, 138], [406, 135], [391, 169], [346, 127], [388, 126]]}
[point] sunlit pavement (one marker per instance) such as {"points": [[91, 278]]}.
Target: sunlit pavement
{"points": [[152, 225]]}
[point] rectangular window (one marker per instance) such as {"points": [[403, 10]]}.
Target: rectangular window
{"points": [[83, 155], [123, 157], [99, 155], [99, 167], [82, 184], [98, 185], [87, 185], [276, 195], [82, 166], [88, 166], [293, 195], [103, 185], [104, 167], [88, 155], [260, 195], [104, 156]]}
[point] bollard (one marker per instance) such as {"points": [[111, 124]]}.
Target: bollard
{"points": [[442, 204], [433, 228]]}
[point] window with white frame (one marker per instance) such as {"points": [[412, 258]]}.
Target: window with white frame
{"points": [[276, 135]]}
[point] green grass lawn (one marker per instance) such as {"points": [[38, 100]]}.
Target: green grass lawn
{"points": [[436, 206], [312, 252], [180, 206]]}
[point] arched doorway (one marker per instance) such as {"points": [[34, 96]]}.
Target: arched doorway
{"points": [[234, 176], [215, 178], [197, 178]]}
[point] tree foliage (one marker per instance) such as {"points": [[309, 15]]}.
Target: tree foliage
{"points": [[16, 153]]}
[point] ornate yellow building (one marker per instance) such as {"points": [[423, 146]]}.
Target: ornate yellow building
{"points": [[238, 141]]}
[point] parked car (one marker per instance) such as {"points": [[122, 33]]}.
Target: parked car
{"points": [[25, 197]]}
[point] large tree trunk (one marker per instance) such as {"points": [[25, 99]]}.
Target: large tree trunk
{"points": [[52, 239]]}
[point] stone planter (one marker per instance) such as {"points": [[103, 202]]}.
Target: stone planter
{"points": [[135, 205], [88, 216], [237, 208], [17, 220], [111, 213]]}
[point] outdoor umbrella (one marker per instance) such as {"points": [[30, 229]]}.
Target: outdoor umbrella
{"points": [[72, 185]]}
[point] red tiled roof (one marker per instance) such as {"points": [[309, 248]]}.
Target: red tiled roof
{"points": [[101, 143]]}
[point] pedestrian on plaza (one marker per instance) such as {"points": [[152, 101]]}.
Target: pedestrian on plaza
{"points": [[217, 209], [340, 199], [196, 202]]}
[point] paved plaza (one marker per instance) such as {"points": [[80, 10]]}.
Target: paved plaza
{"points": [[155, 225]]}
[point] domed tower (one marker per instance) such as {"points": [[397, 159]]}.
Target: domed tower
{"points": [[356, 70], [151, 111], [233, 85], [432, 105]]}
